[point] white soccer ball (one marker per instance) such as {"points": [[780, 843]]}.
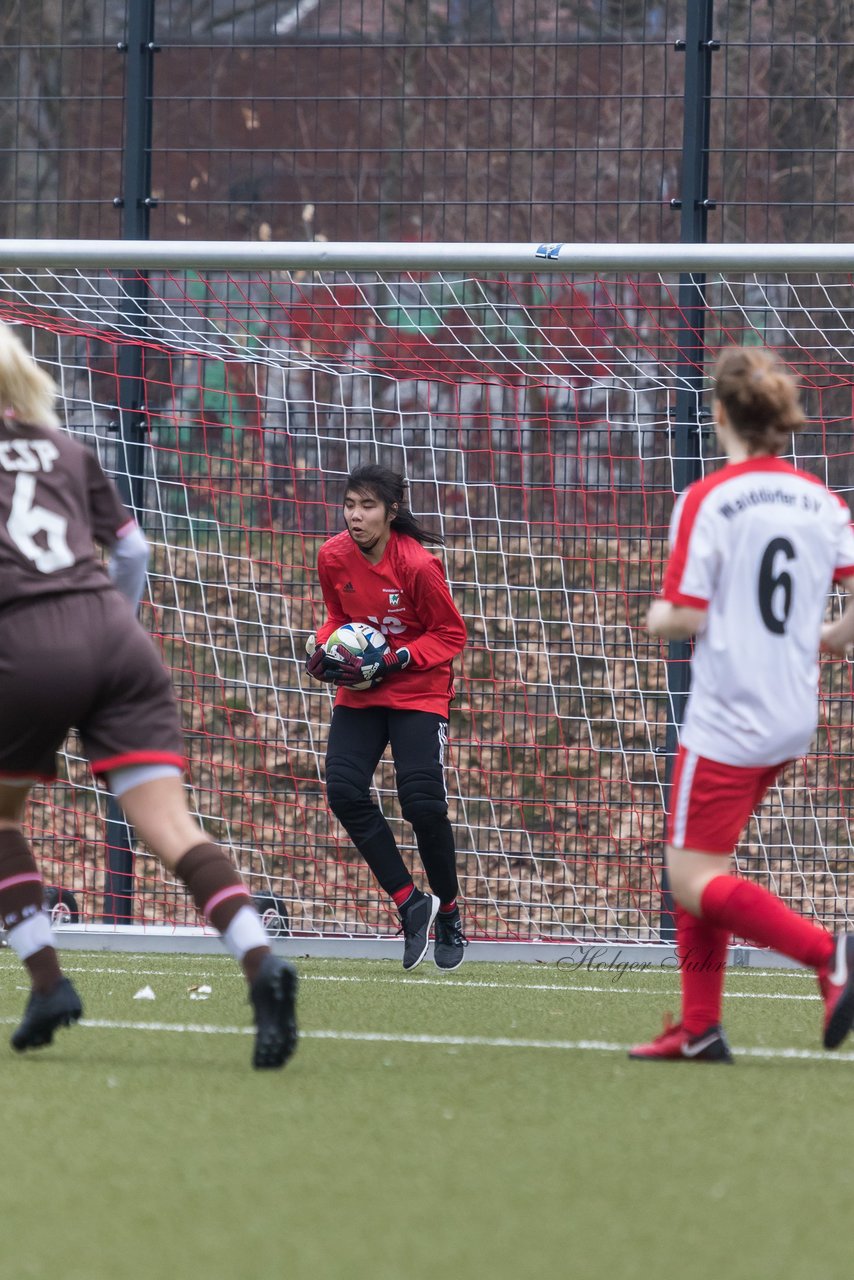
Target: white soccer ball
{"points": [[365, 642]]}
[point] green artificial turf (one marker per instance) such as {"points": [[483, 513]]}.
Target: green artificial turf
{"points": [[406, 1139]]}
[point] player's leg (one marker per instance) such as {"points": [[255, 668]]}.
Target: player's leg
{"points": [[132, 736], [710, 804], [746, 909], [154, 802], [43, 667], [357, 739], [418, 745], [709, 892], [752, 912], [53, 1001], [701, 952]]}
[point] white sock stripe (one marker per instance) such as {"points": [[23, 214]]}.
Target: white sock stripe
{"points": [[840, 968], [31, 935], [245, 933], [683, 798], [443, 743]]}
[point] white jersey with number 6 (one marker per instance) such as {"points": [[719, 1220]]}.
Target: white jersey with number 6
{"points": [[758, 545]]}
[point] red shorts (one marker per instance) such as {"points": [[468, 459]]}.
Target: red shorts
{"points": [[710, 803]]}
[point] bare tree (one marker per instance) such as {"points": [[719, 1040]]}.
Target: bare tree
{"points": [[783, 120], [47, 64]]}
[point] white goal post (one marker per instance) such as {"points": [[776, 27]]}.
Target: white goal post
{"points": [[545, 403]]}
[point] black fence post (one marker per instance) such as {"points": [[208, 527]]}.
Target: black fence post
{"points": [[699, 47], [136, 204]]}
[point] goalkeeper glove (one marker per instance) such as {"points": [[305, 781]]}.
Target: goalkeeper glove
{"points": [[352, 668], [319, 666], [394, 660]]}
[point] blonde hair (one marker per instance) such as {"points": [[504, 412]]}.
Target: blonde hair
{"points": [[760, 398], [27, 392]]}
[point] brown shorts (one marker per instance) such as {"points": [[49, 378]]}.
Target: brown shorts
{"points": [[81, 660]]}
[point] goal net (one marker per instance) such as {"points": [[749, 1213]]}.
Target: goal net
{"points": [[534, 411]]}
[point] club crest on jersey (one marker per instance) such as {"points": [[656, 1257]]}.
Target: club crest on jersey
{"points": [[394, 597]]}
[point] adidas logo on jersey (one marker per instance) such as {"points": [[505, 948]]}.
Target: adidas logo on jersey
{"points": [[348, 586]]}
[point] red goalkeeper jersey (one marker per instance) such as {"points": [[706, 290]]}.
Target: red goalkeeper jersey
{"points": [[406, 597]]}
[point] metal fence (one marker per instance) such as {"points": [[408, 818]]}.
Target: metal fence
{"points": [[426, 119], [434, 120]]}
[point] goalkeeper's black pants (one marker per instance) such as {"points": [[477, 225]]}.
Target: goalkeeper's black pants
{"points": [[357, 740]]}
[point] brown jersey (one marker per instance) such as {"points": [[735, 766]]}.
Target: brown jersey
{"points": [[54, 501], [69, 657]]}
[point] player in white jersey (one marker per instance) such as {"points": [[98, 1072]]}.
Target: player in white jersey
{"points": [[755, 549]]}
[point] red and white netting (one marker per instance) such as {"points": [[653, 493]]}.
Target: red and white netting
{"points": [[535, 418]]}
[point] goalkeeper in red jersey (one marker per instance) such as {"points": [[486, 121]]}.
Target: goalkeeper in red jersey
{"points": [[755, 548], [379, 571], [72, 653]]}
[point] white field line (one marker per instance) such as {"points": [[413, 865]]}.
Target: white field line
{"points": [[457, 980], [556, 986], [447, 983], [448, 1042]]}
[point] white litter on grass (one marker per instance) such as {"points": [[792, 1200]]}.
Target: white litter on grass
{"points": [[145, 994], [200, 993]]}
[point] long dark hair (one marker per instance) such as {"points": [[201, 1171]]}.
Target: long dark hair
{"points": [[389, 488]]}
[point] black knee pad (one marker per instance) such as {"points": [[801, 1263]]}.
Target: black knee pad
{"points": [[346, 792], [422, 798]]}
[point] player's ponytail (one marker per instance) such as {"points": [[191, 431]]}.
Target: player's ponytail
{"points": [[389, 488], [27, 392], [760, 398]]}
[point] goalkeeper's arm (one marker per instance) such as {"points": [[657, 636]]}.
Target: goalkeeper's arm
{"points": [[444, 633]]}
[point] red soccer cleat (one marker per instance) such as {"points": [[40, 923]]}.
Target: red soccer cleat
{"points": [[675, 1044], [836, 983]]}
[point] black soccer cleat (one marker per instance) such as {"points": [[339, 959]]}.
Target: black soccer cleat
{"points": [[44, 1014], [449, 949], [417, 915], [274, 996]]}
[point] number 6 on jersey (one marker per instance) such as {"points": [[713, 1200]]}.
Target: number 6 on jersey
{"points": [[27, 519]]}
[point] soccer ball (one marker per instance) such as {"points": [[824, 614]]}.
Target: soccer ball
{"points": [[363, 640]]}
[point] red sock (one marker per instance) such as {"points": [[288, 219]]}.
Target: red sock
{"points": [[701, 950], [400, 895], [751, 912]]}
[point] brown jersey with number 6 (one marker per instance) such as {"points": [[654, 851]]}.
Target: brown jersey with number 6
{"points": [[54, 498], [71, 651]]}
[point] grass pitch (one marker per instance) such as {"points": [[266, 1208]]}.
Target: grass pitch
{"points": [[485, 1123]]}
